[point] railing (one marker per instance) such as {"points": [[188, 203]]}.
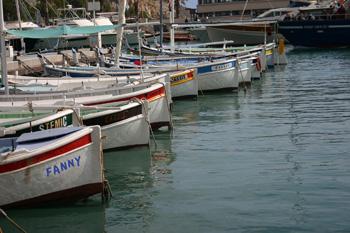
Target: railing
{"points": [[321, 17]]}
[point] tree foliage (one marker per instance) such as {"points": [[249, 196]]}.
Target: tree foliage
{"points": [[47, 8], [150, 8]]}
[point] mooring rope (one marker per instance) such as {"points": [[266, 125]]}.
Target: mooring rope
{"points": [[106, 192], [147, 119], [11, 221], [240, 71], [168, 105]]}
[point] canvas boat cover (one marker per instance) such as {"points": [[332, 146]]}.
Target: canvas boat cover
{"points": [[60, 31], [46, 135], [39, 139]]}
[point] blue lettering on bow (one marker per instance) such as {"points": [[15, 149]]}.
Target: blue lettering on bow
{"points": [[63, 166]]}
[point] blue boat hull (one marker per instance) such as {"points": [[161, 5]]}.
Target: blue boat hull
{"points": [[317, 33]]}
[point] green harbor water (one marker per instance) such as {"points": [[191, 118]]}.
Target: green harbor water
{"points": [[274, 158]]}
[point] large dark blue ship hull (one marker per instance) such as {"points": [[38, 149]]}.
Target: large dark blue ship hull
{"points": [[317, 33]]}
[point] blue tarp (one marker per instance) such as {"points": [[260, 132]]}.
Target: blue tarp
{"points": [[46, 134]]}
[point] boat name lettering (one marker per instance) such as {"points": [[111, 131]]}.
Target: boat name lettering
{"points": [[57, 169], [178, 78], [57, 123], [221, 67]]}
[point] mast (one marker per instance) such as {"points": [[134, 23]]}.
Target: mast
{"points": [[120, 30], [3, 50], [20, 24], [47, 13], [94, 11], [161, 23], [99, 38], [172, 30]]}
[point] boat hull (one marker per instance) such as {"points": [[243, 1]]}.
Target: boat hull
{"points": [[243, 72], [52, 180], [159, 100], [217, 76], [64, 118], [125, 127], [239, 37], [317, 33], [184, 84], [128, 133]]}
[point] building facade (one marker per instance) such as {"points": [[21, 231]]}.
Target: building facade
{"points": [[216, 10]]}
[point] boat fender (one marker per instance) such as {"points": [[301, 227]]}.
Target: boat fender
{"points": [[281, 46], [258, 64]]}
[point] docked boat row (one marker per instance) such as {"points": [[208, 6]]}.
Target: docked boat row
{"points": [[54, 128]]}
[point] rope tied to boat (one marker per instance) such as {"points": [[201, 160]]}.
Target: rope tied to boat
{"points": [[258, 64], [167, 103], [3, 213], [240, 71], [145, 113], [107, 191]]}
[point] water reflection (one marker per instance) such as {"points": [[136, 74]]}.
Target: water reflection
{"points": [[133, 174], [130, 178], [206, 110], [87, 217], [162, 157]]}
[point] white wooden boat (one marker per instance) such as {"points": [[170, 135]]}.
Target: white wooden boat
{"points": [[158, 94], [243, 71], [255, 64], [123, 126], [14, 123], [56, 84], [217, 75], [54, 165], [213, 75], [184, 83]]}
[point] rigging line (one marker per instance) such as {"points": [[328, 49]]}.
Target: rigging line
{"points": [[270, 4], [51, 8], [25, 10], [32, 6], [244, 8]]}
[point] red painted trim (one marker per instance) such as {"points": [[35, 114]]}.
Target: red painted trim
{"points": [[190, 74], [152, 95], [47, 155]]}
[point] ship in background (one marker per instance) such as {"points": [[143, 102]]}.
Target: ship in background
{"points": [[228, 10], [325, 25], [226, 15]]}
